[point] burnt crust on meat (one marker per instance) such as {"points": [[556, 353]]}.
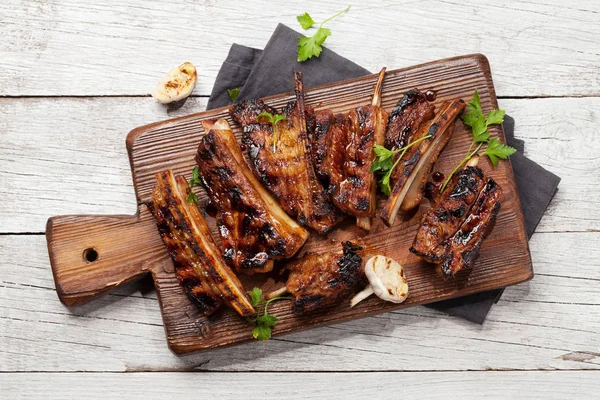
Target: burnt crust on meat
{"points": [[319, 279], [254, 230], [199, 267], [464, 246], [285, 166], [442, 220], [411, 111]]}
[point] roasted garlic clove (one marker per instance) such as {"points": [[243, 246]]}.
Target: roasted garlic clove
{"points": [[178, 84], [386, 280]]}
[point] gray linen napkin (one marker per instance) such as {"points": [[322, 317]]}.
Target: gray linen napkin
{"points": [[260, 73]]}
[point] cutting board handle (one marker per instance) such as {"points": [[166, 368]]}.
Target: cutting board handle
{"points": [[91, 255]]}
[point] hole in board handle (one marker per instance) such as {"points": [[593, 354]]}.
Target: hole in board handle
{"points": [[90, 255]]}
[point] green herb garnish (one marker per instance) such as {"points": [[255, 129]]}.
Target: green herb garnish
{"points": [[195, 181], [384, 163], [479, 124], [273, 120], [310, 46], [233, 94], [264, 322]]}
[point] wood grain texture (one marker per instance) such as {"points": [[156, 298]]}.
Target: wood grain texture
{"points": [[121, 249], [42, 173], [60, 47], [172, 145], [551, 322], [461, 385]]}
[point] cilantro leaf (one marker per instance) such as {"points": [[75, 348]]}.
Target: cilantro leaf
{"points": [[495, 117], [233, 94], [261, 332], [310, 46], [255, 296], [496, 150], [305, 20], [273, 120]]}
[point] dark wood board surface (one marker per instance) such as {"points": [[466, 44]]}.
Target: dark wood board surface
{"points": [[127, 247]]}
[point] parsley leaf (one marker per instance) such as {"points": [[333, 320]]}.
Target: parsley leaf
{"points": [[195, 181], [261, 332], [495, 117], [305, 20], [310, 46], [264, 322], [192, 197], [384, 163], [496, 150], [233, 94], [255, 296], [273, 120], [384, 160], [479, 124]]}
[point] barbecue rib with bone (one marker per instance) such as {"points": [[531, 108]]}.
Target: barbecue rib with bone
{"points": [[451, 232], [342, 148], [254, 229], [411, 174], [285, 166], [200, 269]]}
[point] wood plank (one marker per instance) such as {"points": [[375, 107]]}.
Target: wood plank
{"points": [[504, 260], [431, 385], [63, 47], [551, 322], [42, 173]]}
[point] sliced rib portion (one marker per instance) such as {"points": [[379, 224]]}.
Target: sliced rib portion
{"points": [[319, 126], [200, 269], [443, 220], [353, 185], [319, 279], [411, 111], [254, 230], [283, 162], [464, 246], [412, 172]]}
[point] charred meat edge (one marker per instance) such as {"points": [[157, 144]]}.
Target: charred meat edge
{"points": [[198, 263], [426, 151], [342, 272], [295, 235], [443, 220], [464, 246], [411, 111]]}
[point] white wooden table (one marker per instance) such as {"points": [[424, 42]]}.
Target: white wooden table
{"points": [[75, 78]]}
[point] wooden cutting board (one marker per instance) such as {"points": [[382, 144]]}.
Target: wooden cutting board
{"points": [[91, 255]]}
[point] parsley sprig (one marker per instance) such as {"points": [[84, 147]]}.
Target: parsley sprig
{"points": [[195, 181], [310, 46], [384, 163], [264, 321], [233, 94], [479, 123], [273, 120]]}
